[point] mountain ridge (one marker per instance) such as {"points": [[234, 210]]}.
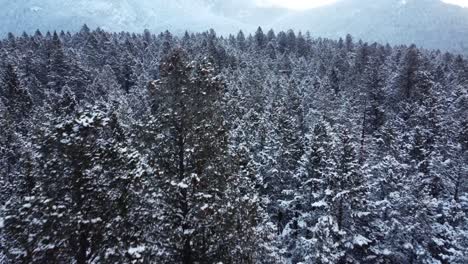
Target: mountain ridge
{"points": [[428, 23]]}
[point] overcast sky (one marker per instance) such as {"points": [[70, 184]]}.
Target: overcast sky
{"points": [[463, 3], [295, 4], [307, 4]]}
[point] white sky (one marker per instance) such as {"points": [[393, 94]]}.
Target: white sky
{"points": [[295, 4], [463, 3], [307, 4]]}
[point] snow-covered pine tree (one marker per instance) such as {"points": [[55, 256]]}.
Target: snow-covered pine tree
{"points": [[203, 192], [83, 205]]}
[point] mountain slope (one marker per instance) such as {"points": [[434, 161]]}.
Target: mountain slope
{"points": [[429, 23], [115, 15]]}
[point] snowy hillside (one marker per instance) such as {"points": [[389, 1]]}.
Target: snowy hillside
{"points": [[128, 15], [271, 149], [429, 23]]}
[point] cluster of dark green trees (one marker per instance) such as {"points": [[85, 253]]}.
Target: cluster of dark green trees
{"points": [[267, 148]]}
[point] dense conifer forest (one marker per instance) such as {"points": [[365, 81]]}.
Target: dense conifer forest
{"points": [[273, 147]]}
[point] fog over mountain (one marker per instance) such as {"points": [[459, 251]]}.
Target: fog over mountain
{"points": [[128, 15], [429, 23]]}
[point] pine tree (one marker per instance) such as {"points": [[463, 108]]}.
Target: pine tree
{"points": [[16, 98], [341, 231], [86, 177], [260, 39], [57, 66], [194, 172], [240, 40]]}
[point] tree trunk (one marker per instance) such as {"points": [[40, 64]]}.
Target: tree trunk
{"points": [[363, 134], [83, 245], [340, 214], [457, 187], [187, 253]]}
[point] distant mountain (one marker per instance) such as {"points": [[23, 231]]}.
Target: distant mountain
{"points": [[427, 23], [115, 15]]}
